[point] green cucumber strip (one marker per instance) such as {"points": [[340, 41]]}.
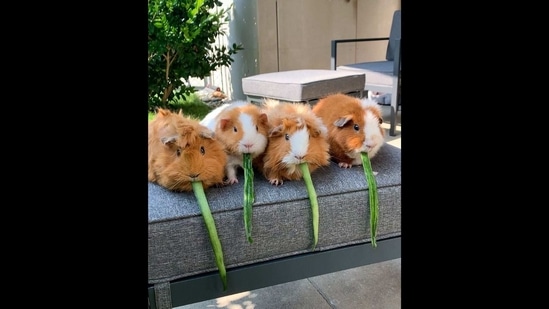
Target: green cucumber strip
{"points": [[312, 197], [372, 194], [198, 190], [248, 194]]}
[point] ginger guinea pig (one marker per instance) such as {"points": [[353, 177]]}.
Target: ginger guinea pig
{"points": [[354, 126], [296, 136], [242, 128], [181, 150]]}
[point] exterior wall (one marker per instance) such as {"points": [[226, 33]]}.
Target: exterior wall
{"points": [[306, 27], [375, 21], [280, 35], [242, 28]]}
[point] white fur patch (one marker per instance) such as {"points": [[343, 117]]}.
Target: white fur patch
{"points": [[299, 143], [210, 120], [365, 102], [371, 123], [374, 139], [251, 136]]}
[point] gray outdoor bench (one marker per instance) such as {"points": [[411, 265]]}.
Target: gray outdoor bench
{"points": [[181, 262]]}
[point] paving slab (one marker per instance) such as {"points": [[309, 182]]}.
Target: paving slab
{"points": [[375, 286], [372, 286], [291, 295]]}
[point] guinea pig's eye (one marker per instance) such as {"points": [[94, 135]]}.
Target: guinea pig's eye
{"points": [[202, 150], [178, 151], [235, 129], [356, 127], [380, 120], [256, 128], [287, 136]]}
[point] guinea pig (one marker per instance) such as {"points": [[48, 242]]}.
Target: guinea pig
{"points": [[296, 136], [242, 128], [181, 151], [354, 126]]}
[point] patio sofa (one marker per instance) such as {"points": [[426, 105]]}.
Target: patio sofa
{"points": [[181, 266]]}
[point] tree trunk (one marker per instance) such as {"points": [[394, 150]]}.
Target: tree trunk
{"points": [[166, 95]]}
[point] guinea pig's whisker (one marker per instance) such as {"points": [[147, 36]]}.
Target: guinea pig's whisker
{"points": [[178, 181]]}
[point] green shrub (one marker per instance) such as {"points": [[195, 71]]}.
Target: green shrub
{"points": [[181, 37]]}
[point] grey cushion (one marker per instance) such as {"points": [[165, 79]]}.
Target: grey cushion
{"points": [[378, 72], [178, 241], [302, 85]]}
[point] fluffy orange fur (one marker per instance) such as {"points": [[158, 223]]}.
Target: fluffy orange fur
{"points": [[181, 151], [229, 119], [287, 118], [242, 128], [348, 132]]}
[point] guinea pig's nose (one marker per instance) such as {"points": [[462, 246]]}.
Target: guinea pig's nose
{"points": [[194, 175]]}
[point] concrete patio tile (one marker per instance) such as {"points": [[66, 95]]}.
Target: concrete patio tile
{"points": [[373, 286], [291, 295]]}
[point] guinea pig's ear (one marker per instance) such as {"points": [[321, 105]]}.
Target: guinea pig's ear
{"points": [[340, 122], [207, 133], [168, 133], [168, 139], [314, 132], [225, 123], [316, 127], [187, 134], [276, 131], [171, 134], [263, 119]]}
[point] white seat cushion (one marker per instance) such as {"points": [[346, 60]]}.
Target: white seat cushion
{"points": [[302, 85]]}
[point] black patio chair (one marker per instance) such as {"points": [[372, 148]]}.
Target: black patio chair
{"points": [[381, 76]]}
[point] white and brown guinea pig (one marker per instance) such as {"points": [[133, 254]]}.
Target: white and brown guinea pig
{"points": [[354, 126], [181, 150], [297, 135], [242, 128]]}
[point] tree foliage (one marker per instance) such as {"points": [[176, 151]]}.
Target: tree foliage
{"points": [[181, 44]]}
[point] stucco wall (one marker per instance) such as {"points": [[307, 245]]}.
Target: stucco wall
{"points": [[280, 35]]}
